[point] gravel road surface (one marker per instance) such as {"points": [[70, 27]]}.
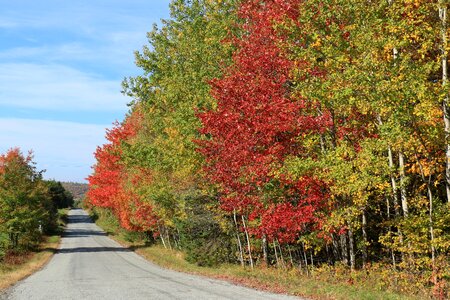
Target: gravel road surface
{"points": [[89, 265]]}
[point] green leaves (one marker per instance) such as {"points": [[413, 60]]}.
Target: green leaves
{"points": [[315, 122], [25, 204], [183, 56]]}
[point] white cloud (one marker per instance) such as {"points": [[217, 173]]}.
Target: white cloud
{"points": [[64, 149], [115, 51], [57, 88], [67, 58]]}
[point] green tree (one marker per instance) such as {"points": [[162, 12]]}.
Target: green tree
{"points": [[24, 203], [60, 197], [183, 56]]}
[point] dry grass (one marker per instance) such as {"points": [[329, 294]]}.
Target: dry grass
{"points": [[17, 268], [269, 279]]}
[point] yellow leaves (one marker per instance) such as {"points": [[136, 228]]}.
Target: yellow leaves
{"points": [[421, 168], [317, 43], [387, 52], [383, 186], [172, 132]]}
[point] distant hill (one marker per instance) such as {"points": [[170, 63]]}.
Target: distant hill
{"points": [[78, 190]]}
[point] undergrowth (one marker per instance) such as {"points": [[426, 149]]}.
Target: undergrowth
{"points": [[326, 282]]}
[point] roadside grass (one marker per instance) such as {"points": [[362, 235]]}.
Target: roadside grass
{"points": [[62, 218], [19, 265], [319, 285], [269, 279], [23, 265]]}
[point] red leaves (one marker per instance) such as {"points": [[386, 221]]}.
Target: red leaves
{"points": [[14, 156], [257, 124], [106, 185], [105, 182]]}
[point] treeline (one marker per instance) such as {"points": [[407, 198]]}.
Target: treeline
{"points": [[28, 204], [289, 132], [78, 190]]}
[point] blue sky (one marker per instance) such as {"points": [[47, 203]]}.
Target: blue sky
{"points": [[61, 67]]}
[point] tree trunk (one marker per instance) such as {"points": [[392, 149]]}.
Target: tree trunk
{"points": [[352, 249], [393, 182], [395, 198], [445, 103], [364, 236], [248, 243], [175, 241], [430, 219], [276, 253], [305, 258], [344, 249], [168, 238], [241, 251], [161, 233], [328, 254], [283, 263], [300, 262], [290, 256], [401, 164], [264, 249], [388, 211], [336, 248], [391, 161]]}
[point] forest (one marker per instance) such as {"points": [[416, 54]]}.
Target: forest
{"points": [[290, 134], [28, 204], [78, 190]]}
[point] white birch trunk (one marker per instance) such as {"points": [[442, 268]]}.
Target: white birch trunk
{"points": [[161, 233], [352, 249], [248, 243], [344, 249], [264, 249], [364, 236], [401, 165], [283, 263], [241, 252], [276, 253], [445, 103]]}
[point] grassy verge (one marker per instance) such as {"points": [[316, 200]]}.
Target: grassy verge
{"points": [[269, 279], [20, 266], [23, 266]]}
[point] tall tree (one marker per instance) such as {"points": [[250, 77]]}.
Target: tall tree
{"points": [[24, 205], [256, 126]]}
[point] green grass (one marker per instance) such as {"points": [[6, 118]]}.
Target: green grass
{"points": [[53, 239], [271, 279]]}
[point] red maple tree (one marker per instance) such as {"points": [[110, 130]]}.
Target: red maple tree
{"points": [[258, 124], [107, 183]]}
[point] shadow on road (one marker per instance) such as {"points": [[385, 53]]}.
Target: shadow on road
{"points": [[79, 219], [93, 249], [73, 233]]}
